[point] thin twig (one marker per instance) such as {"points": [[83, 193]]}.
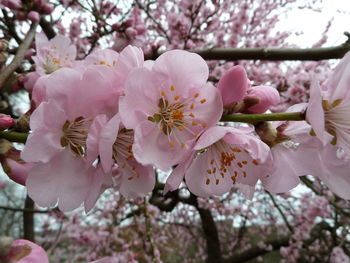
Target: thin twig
{"points": [[21, 51]]}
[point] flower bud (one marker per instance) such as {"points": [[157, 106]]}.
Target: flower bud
{"points": [[267, 96], [12, 4], [6, 121], [131, 32], [47, 8], [233, 85], [33, 16]]}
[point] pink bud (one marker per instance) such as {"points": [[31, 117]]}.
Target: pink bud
{"points": [[47, 8], [12, 4], [141, 29], [130, 32], [6, 121], [267, 96], [33, 16], [233, 85], [18, 171], [25, 251]]}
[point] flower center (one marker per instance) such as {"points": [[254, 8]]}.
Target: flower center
{"points": [[75, 134], [175, 114], [52, 64], [227, 160], [122, 153]]}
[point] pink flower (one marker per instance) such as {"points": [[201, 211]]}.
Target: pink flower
{"points": [[115, 148], [53, 54], [226, 156], [6, 121], [305, 155], [24, 251], [266, 98], [169, 106], [329, 107], [233, 85], [60, 130]]}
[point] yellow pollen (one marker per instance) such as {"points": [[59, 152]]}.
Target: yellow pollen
{"points": [[182, 145], [130, 178], [192, 106], [102, 62], [129, 157], [191, 115], [180, 128], [222, 175], [204, 125], [162, 93], [244, 162], [240, 165], [176, 97], [203, 101], [244, 174], [194, 123], [171, 144], [56, 61], [237, 150], [209, 171], [236, 173], [233, 178], [207, 181], [212, 161], [255, 162], [217, 181], [196, 95], [172, 87], [177, 115], [214, 170]]}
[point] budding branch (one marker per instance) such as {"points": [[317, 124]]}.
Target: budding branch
{"points": [[246, 118]]}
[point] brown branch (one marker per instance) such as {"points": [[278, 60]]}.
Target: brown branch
{"points": [[256, 251], [46, 26], [28, 221], [290, 228], [275, 54], [26, 210], [16, 62]]}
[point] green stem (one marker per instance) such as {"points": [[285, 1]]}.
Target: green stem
{"points": [[14, 136], [247, 118], [255, 118]]}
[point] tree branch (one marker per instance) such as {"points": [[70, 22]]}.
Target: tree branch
{"points": [[28, 220], [16, 62], [47, 28], [275, 54], [14, 209]]}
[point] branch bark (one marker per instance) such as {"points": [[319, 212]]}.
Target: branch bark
{"points": [[16, 62], [28, 220], [273, 54]]}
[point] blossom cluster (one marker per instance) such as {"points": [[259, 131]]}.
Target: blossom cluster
{"points": [[112, 118]]}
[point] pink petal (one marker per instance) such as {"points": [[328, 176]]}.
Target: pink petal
{"points": [[184, 69], [64, 180], [151, 147], [233, 85], [140, 98], [315, 113], [108, 136], [93, 138], [177, 175]]}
